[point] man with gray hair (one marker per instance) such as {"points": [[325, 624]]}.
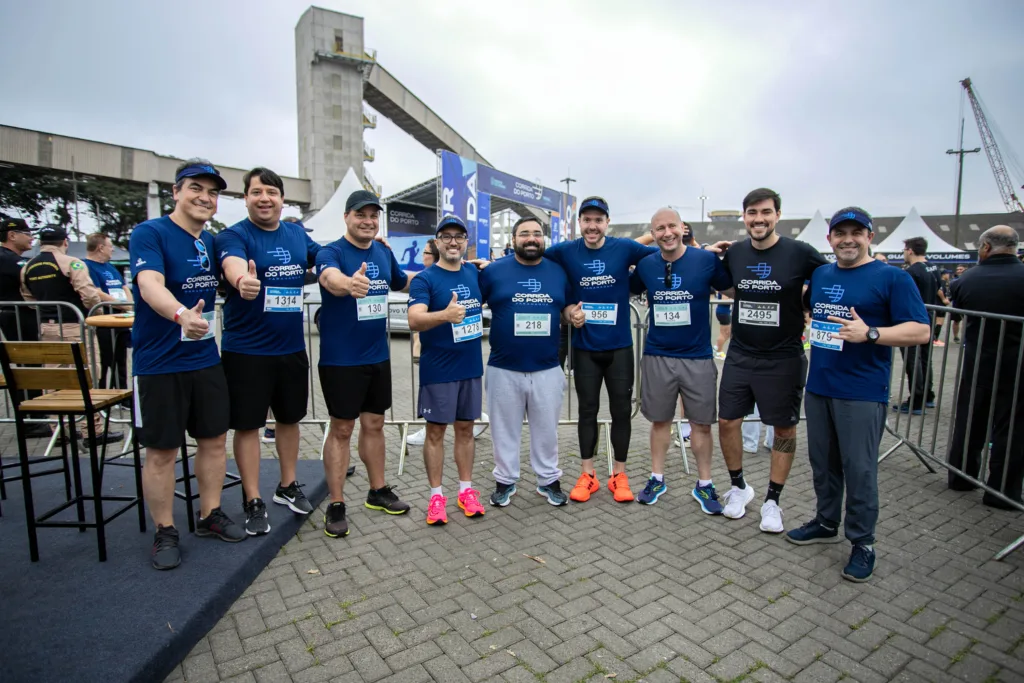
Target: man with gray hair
{"points": [[996, 285]]}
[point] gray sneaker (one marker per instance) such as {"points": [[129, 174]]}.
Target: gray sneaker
{"points": [[502, 495], [553, 492]]}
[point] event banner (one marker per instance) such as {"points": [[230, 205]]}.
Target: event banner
{"points": [[939, 258], [483, 224], [519, 190], [409, 228], [458, 191]]}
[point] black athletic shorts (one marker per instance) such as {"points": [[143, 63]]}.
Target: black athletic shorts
{"points": [[723, 318], [167, 405], [256, 383], [353, 389], [776, 386]]}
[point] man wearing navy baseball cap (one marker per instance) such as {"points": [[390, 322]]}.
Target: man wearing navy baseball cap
{"points": [[860, 308]]}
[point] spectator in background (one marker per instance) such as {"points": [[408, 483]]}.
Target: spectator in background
{"points": [[956, 318], [879, 256], [113, 343], [916, 362]]}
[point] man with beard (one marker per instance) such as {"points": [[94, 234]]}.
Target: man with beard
{"points": [[445, 308], [765, 365], [678, 361], [860, 308], [527, 295]]}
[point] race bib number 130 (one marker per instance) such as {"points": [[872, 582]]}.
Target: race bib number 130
{"points": [[763, 313]]}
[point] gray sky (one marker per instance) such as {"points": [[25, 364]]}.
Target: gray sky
{"points": [[646, 102]]}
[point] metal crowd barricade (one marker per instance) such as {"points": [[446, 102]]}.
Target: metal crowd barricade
{"points": [[981, 388]]}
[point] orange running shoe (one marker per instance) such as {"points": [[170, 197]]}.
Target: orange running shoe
{"points": [[586, 485], [619, 486]]}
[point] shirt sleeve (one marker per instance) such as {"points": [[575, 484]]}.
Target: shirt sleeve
{"points": [[905, 302], [636, 283], [328, 257], [485, 284], [144, 250], [419, 290], [638, 251], [78, 273], [556, 252], [814, 260], [229, 243], [312, 249], [97, 278], [720, 278], [398, 276]]}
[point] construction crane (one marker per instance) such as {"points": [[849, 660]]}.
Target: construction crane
{"points": [[995, 158]]}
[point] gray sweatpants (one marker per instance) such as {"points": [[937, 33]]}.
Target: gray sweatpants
{"points": [[842, 440], [538, 396]]}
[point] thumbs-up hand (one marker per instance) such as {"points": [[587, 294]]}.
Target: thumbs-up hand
{"points": [[855, 330], [360, 284], [249, 284], [455, 313], [576, 316], [193, 323]]}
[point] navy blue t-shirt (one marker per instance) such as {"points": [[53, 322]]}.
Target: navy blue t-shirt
{"points": [[190, 274], [679, 320], [107, 278], [355, 331], [882, 297], [526, 303], [600, 277], [442, 359], [261, 327]]}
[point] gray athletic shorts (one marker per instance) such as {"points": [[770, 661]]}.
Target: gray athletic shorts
{"points": [[663, 379]]}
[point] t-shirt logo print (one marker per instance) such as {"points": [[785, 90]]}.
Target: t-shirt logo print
{"points": [[596, 265], [761, 270], [461, 290], [532, 285], [676, 281], [834, 293], [281, 254], [372, 271]]}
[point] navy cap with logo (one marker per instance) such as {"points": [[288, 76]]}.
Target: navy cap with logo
{"points": [[52, 233], [451, 221], [201, 170], [360, 199], [594, 203], [851, 214], [15, 225]]}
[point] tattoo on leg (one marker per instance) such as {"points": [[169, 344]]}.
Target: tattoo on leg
{"points": [[784, 444]]}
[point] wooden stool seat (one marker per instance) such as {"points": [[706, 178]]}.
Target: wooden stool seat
{"points": [[72, 400]]}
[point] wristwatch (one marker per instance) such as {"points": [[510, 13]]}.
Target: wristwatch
{"points": [[873, 335]]}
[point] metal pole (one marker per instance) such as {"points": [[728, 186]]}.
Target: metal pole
{"points": [[960, 180], [703, 198]]}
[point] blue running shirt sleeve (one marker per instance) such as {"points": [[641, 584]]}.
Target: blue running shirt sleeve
{"points": [[399, 279]]}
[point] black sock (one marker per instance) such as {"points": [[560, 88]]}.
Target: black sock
{"points": [[737, 478], [774, 491], [938, 331]]}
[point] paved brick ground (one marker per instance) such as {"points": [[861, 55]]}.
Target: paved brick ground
{"points": [[603, 591]]}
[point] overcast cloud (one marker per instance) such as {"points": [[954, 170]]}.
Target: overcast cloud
{"points": [[646, 102]]}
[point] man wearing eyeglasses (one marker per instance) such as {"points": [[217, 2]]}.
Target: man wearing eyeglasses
{"points": [[263, 348], [678, 361], [445, 307], [179, 380]]}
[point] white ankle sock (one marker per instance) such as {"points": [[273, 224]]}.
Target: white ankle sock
{"points": [[659, 477], [703, 482], [435, 491], [463, 485]]}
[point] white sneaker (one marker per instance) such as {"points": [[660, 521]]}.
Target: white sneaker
{"points": [[748, 448], [736, 500], [417, 438], [771, 517]]}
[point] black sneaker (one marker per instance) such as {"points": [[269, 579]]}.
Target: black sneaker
{"points": [[335, 524], [293, 497], [218, 524], [166, 554], [257, 522], [385, 499]]}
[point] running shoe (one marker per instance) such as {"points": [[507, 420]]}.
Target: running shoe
{"points": [[652, 491], [771, 518], [218, 524], [269, 435], [938, 342], [335, 524], [553, 492], [385, 500], [417, 438], [257, 522], [166, 554], [707, 496], [720, 355], [618, 484], [502, 495], [586, 486], [293, 497], [469, 502], [436, 510], [813, 532], [736, 500], [861, 565], [905, 408]]}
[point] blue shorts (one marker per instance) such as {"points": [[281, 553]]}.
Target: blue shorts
{"points": [[448, 402]]}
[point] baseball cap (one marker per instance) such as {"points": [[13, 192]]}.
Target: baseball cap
{"points": [[594, 203], [52, 233], [199, 170], [360, 199], [451, 221], [15, 225], [851, 214]]}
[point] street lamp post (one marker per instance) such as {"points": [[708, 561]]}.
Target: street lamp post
{"points": [[703, 198]]}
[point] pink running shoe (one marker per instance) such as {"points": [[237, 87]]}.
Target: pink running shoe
{"points": [[469, 501], [436, 510]]}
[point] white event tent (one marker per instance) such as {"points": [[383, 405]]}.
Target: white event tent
{"points": [[914, 226], [328, 223], [815, 233]]}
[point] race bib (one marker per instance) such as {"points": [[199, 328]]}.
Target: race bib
{"points": [[118, 294], [472, 327], [826, 335], [760, 313], [671, 315], [282, 300], [372, 307], [210, 317], [533, 324], [600, 314]]}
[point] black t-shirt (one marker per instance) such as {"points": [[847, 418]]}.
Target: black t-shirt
{"points": [[924, 277], [768, 317], [10, 275]]}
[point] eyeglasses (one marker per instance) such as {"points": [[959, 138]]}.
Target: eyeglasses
{"points": [[668, 275], [204, 258], [446, 238]]}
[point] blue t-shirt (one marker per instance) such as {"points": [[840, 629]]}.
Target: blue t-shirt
{"points": [[526, 303], [355, 331], [882, 297], [106, 277], [190, 274], [679, 319], [282, 257], [601, 276], [442, 359]]}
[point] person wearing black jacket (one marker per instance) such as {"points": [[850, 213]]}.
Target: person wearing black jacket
{"points": [[915, 358], [996, 285]]}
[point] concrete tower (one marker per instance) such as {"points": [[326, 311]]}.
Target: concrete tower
{"points": [[330, 65]]}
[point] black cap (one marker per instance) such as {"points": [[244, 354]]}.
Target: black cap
{"points": [[594, 203], [52, 233], [360, 199], [15, 225], [451, 221]]}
